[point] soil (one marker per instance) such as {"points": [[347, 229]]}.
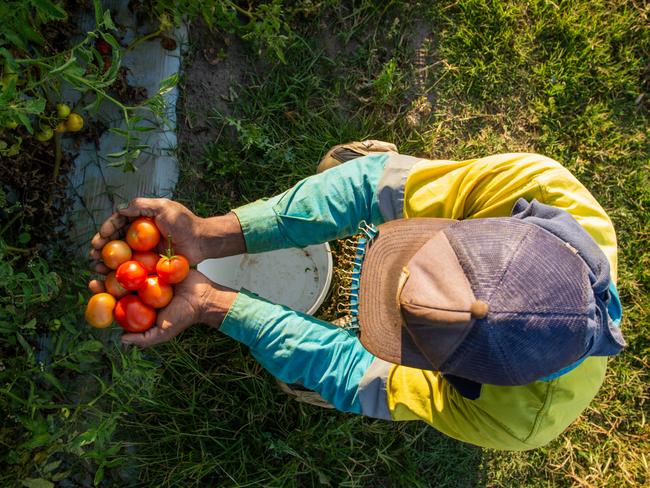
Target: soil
{"points": [[212, 69]]}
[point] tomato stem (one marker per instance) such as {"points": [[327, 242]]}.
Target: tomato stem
{"points": [[170, 248]]}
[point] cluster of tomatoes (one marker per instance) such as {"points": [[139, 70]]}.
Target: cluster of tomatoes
{"points": [[141, 280], [65, 119]]}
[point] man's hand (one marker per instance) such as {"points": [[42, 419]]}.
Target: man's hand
{"points": [[170, 217], [196, 300], [194, 237]]}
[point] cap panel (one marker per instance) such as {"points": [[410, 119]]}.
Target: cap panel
{"points": [[437, 300], [381, 328], [537, 321]]}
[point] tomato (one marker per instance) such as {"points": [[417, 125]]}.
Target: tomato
{"points": [[131, 275], [133, 315], [62, 110], [74, 123], [99, 311], [45, 134], [173, 269], [103, 47], [143, 235], [60, 128], [115, 253], [113, 286], [12, 124], [156, 293], [148, 259]]}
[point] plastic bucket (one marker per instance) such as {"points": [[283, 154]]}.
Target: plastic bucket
{"points": [[295, 277]]}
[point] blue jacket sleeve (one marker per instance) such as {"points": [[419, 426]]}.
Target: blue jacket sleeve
{"points": [[297, 348], [320, 208]]}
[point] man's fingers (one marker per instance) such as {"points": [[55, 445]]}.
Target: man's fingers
{"points": [[112, 225], [147, 207], [97, 286], [163, 332], [102, 268]]}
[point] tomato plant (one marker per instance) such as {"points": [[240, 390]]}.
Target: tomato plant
{"points": [[133, 315], [131, 275], [156, 293], [142, 234], [115, 253], [148, 259], [99, 311]]}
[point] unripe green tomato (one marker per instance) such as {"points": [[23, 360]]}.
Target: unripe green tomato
{"points": [[62, 110], [74, 123], [45, 134], [11, 125]]}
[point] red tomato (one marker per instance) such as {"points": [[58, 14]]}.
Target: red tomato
{"points": [[131, 275], [115, 253], [99, 312], [173, 269], [148, 259], [113, 286], [133, 315], [143, 235], [155, 293], [103, 47]]}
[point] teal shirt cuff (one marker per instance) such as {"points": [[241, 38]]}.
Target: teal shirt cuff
{"points": [[323, 207], [259, 225], [297, 348]]}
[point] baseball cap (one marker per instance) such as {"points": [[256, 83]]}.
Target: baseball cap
{"points": [[500, 301]]}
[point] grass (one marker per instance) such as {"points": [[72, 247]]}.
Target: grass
{"points": [[442, 80]]}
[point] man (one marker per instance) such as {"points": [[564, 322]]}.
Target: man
{"points": [[483, 299]]}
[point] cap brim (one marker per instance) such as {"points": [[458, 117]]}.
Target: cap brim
{"points": [[381, 325]]}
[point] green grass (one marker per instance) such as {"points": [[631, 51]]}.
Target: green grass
{"points": [[443, 80]]}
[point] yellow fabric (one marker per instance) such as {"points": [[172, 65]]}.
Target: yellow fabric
{"points": [[519, 417]]}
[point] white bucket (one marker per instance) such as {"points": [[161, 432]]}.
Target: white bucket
{"points": [[297, 278]]}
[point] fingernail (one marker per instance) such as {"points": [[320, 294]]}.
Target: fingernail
{"points": [[122, 206]]}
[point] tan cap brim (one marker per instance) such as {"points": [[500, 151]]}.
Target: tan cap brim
{"points": [[381, 325]]}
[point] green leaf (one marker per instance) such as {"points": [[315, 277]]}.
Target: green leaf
{"points": [[90, 346], [35, 106], [25, 121], [53, 381], [49, 9], [37, 483], [49, 467], [30, 325], [99, 475], [107, 21], [30, 34], [65, 65]]}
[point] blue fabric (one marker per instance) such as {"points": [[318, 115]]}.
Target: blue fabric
{"points": [[604, 338], [321, 208], [615, 311], [297, 348]]}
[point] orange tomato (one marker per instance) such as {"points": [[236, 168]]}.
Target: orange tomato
{"points": [[173, 269], [143, 235], [99, 311], [155, 293], [148, 259], [115, 253], [113, 286]]}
